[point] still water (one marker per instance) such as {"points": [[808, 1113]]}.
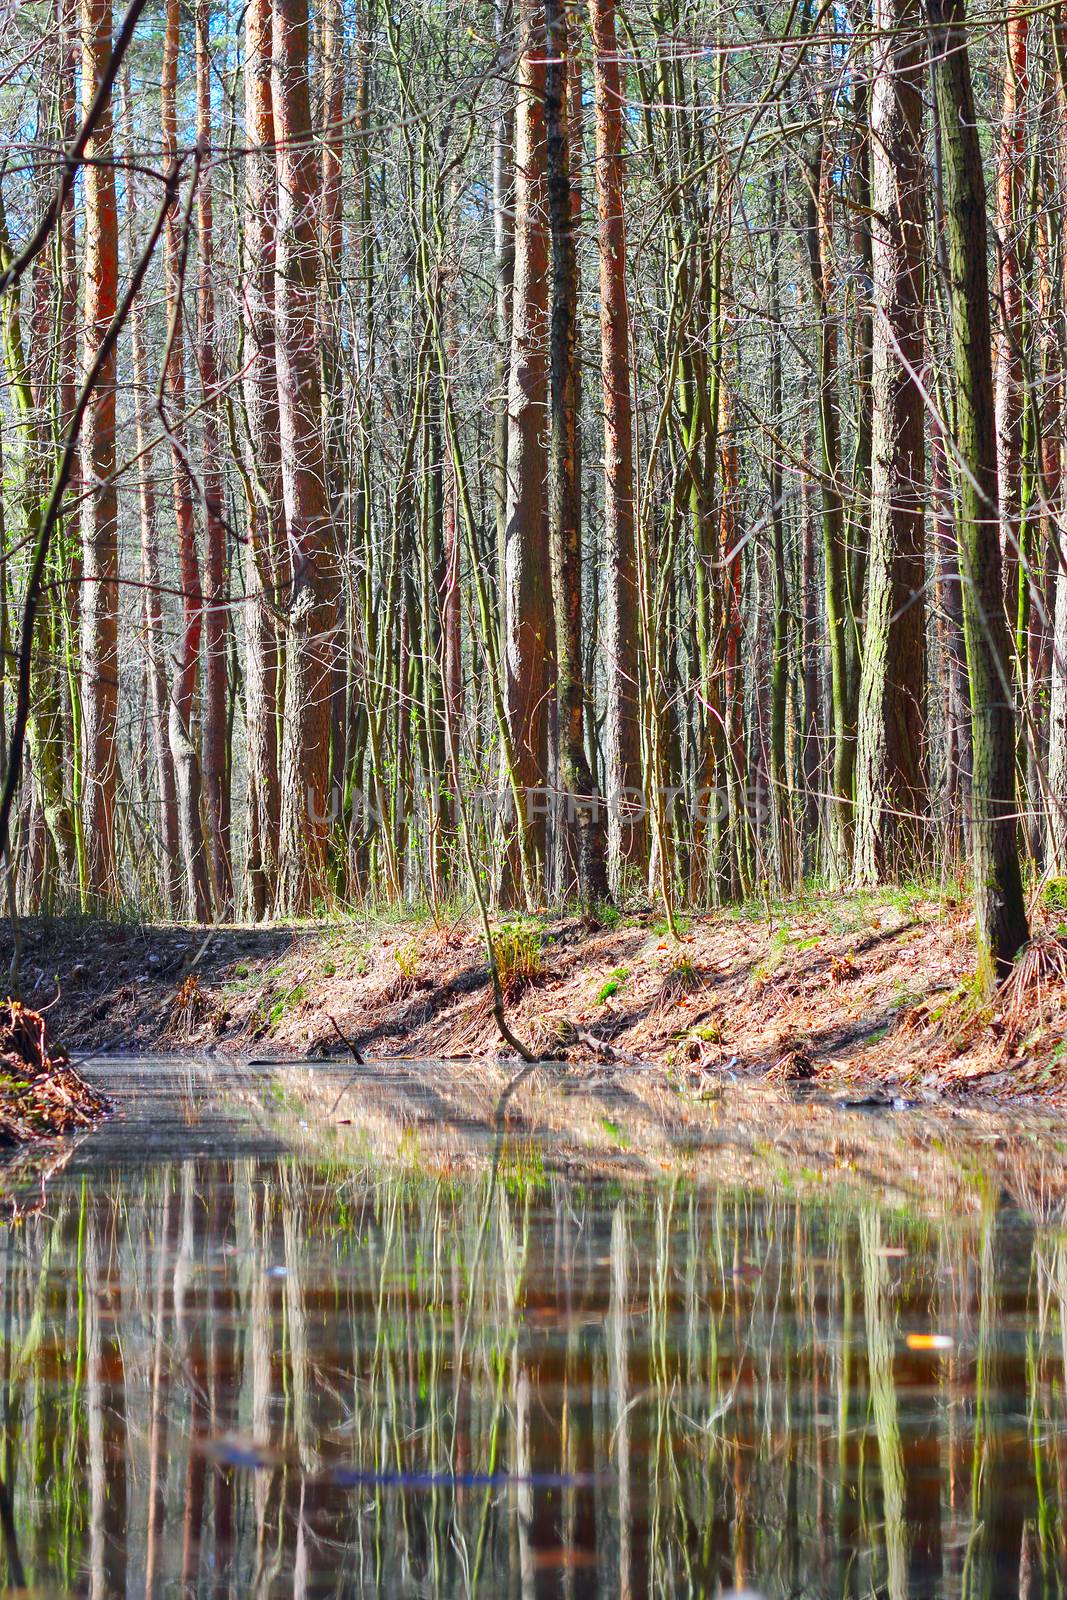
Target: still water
{"points": [[252, 1371]]}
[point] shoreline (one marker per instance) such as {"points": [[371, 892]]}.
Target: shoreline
{"points": [[865, 994]]}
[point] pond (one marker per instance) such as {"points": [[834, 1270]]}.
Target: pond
{"points": [[234, 1364]]}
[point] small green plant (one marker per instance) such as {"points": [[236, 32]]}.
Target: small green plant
{"points": [[517, 949], [709, 1032], [605, 915], [285, 1003], [406, 957], [1054, 895], [240, 970], [329, 969], [615, 982]]}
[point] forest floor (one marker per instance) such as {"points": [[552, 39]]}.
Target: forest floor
{"points": [[867, 995]]}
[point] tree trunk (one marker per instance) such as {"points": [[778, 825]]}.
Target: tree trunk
{"points": [[810, 731], [45, 729], [1008, 368], [891, 788], [1056, 830], [627, 832], [1000, 910], [216, 612], [266, 528], [332, 55], [155, 647], [1056, 862], [780, 787], [526, 557], [100, 559], [184, 686], [312, 614], [583, 812], [504, 270], [835, 554]]}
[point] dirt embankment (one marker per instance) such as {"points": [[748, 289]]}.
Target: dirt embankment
{"points": [[865, 992]]}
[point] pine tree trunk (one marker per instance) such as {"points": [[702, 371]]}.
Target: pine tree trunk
{"points": [[582, 812], [810, 732], [891, 788], [332, 55], [527, 593], [155, 646], [780, 786], [266, 531], [1056, 846], [627, 832], [100, 560], [835, 554], [1008, 369], [184, 687], [311, 600], [1000, 911], [69, 524], [1056, 827], [216, 612]]}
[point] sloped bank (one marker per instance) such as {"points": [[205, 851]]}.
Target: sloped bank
{"points": [[866, 995]]}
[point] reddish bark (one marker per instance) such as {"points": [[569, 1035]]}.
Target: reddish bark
{"points": [[100, 561], [311, 599]]}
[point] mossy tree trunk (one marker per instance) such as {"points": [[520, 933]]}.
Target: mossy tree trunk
{"points": [[999, 906]]}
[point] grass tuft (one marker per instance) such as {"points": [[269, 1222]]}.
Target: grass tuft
{"points": [[517, 948]]}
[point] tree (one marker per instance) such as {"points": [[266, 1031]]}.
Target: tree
{"points": [[100, 556], [262, 471], [562, 88], [527, 594], [310, 598], [627, 833], [1007, 348], [216, 611], [155, 646], [999, 906], [183, 695], [819, 223], [891, 797]]}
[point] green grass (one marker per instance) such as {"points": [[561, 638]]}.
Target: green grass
{"points": [[615, 982], [406, 957], [517, 948], [1054, 895]]}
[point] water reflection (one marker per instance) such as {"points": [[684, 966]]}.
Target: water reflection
{"points": [[271, 1376]]}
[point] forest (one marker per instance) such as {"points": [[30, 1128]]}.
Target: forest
{"points": [[532, 454]]}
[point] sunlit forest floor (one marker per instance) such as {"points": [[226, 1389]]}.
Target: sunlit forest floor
{"points": [[865, 995]]}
